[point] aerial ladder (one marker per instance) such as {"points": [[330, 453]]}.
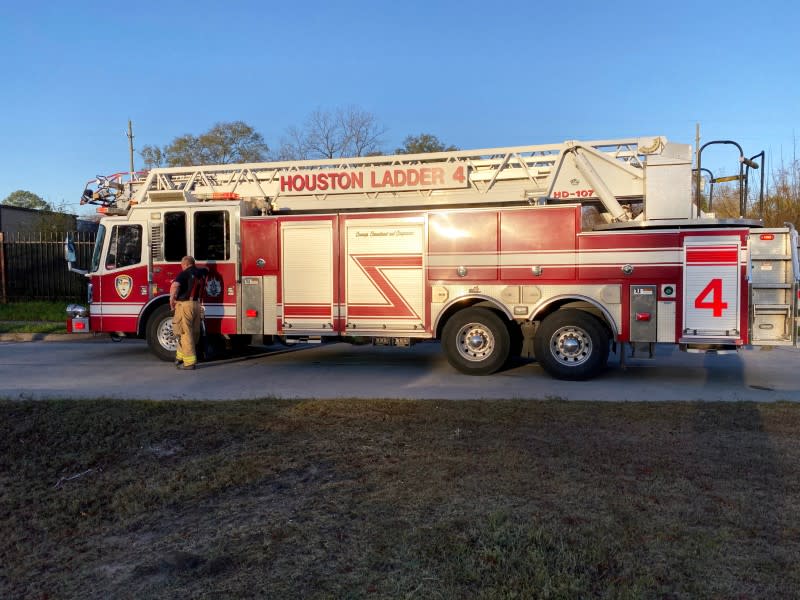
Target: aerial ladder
{"points": [[629, 180]]}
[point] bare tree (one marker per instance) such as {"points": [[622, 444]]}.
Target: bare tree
{"points": [[782, 202], [324, 136], [362, 132], [348, 131]]}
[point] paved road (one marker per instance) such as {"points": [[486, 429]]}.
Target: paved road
{"points": [[107, 369]]}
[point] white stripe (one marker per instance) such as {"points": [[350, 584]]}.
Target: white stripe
{"points": [[632, 256], [119, 309], [641, 256], [220, 310]]}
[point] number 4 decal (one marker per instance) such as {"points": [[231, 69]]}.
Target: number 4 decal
{"points": [[713, 289]]}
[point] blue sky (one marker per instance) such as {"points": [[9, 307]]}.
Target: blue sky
{"points": [[476, 74]]}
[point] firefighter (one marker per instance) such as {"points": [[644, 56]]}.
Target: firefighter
{"points": [[184, 299]]}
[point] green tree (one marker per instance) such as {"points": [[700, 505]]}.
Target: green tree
{"points": [[53, 220], [26, 199], [153, 157], [423, 143], [224, 143]]}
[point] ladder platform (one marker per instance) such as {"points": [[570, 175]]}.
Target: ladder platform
{"points": [[717, 345]]}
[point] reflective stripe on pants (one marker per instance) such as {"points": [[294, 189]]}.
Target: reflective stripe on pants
{"points": [[186, 326]]}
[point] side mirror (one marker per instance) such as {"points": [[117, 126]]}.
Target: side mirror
{"points": [[69, 249], [70, 256]]}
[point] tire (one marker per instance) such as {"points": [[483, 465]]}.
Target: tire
{"points": [[160, 338], [572, 344], [476, 341]]}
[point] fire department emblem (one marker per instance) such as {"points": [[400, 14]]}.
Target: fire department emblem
{"points": [[213, 288], [123, 284]]}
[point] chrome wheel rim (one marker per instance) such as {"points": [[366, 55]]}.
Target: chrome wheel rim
{"points": [[571, 346], [475, 342], [166, 337]]}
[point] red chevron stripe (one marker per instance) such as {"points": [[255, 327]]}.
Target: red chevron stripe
{"points": [[374, 267]]}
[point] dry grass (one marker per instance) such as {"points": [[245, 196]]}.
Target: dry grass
{"points": [[399, 499]]}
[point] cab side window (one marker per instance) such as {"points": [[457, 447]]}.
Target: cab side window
{"points": [[212, 235], [124, 247], [175, 236]]}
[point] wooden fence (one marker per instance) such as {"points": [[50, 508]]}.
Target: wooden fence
{"points": [[32, 266]]}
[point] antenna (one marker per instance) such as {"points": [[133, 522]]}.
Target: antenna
{"points": [[130, 144]]}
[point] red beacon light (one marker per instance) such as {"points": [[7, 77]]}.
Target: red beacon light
{"points": [[224, 196]]}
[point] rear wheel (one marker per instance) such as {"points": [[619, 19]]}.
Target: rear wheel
{"points": [[572, 344], [476, 341], [160, 337]]}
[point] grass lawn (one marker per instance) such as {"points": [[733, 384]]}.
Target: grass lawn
{"points": [[33, 317], [33, 311], [399, 499]]}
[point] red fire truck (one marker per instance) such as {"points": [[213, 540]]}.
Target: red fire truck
{"points": [[564, 252]]}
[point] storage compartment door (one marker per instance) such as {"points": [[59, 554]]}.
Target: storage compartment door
{"points": [[307, 276], [385, 275], [711, 288]]}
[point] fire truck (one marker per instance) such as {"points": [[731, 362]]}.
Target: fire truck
{"points": [[563, 252]]}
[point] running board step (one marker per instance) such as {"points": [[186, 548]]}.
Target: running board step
{"points": [[710, 345]]}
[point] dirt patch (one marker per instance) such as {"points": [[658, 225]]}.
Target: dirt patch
{"points": [[396, 499]]}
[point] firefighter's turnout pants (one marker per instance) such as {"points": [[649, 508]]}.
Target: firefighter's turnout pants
{"points": [[186, 325]]}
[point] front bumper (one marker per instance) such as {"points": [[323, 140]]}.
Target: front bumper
{"points": [[77, 319]]}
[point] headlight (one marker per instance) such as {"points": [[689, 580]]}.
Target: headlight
{"points": [[76, 310]]}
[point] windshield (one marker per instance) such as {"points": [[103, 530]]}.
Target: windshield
{"points": [[98, 248]]}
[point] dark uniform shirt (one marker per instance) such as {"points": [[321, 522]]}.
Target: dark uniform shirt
{"points": [[191, 283]]}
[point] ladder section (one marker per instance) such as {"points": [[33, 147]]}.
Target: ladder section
{"points": [[773, 286], [609, 172]]}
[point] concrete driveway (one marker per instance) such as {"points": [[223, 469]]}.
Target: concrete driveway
{"points": [[102, 368]]}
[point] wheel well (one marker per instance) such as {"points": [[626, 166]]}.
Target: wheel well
{"points": [[147, 312], [465, 303], [583, 304]]}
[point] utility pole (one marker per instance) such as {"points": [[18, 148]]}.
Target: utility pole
{"points": [[698, 176], [130, 144]]}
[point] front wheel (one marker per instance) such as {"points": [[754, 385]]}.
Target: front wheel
{"points": [[160, 338], [571, 344], [476, 341]]}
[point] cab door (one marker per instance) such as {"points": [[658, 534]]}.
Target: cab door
{"points": [[214, 247], [120, 289]]}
